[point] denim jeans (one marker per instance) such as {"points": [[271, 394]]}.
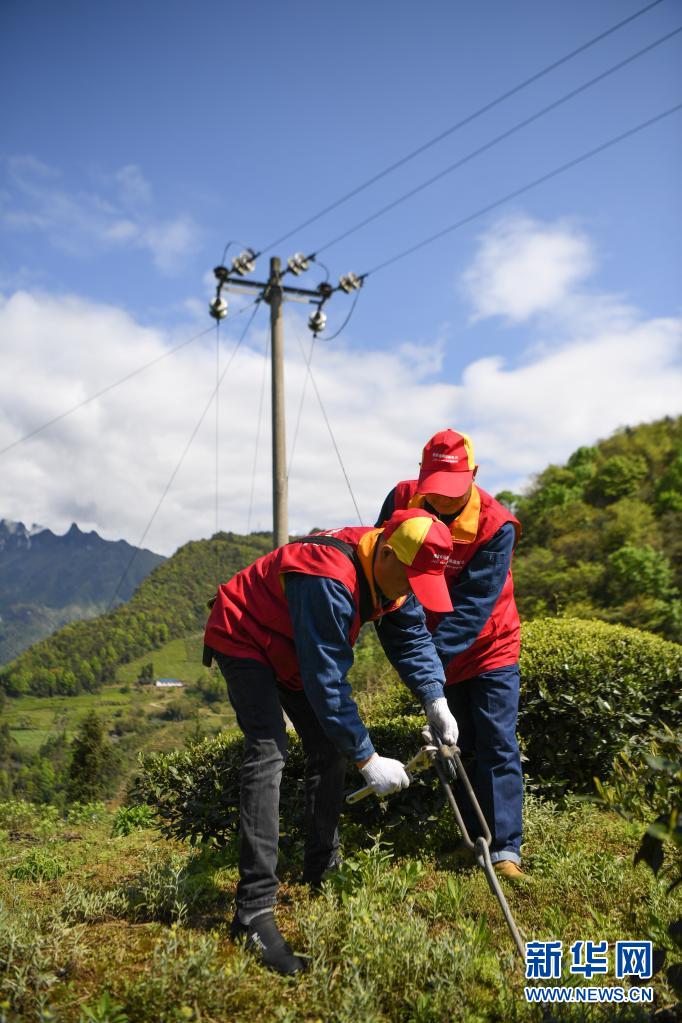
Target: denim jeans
{"points": [[486, 708], [258, 701]]}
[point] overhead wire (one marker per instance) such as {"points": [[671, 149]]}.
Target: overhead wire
{"points": [[328, 424], [178, 465], [497, 139], [525, 188], [104, 390], [462, 123]]}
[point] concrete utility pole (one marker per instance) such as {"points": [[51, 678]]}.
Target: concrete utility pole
{"points": [[280, 509], [275, 293]]}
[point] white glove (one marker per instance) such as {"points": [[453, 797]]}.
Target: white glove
{"points": [[384, 775], [441, 720]]}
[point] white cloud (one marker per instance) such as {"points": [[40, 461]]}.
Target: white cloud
{"points": [[81, 223], [107, 464], [524, 267]]}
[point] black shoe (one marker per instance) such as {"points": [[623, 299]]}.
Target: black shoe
{"points": [[315, 882], [262, 938]]}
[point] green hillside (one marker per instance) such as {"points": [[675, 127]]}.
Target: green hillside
{"points": [[602, 534], [170, 603]]}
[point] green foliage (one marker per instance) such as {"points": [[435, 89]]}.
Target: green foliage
{"points": [[38, 865], [132, 818], [147, 672], [588, 690], [36, 952], [646, 786], [104, 1010], [602, 535], [616, 477], [196, 791], [93, 765]]}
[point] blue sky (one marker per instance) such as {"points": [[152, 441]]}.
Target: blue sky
{"points": [[142, 136]]}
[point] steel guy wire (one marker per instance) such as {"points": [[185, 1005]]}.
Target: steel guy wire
{"points": [[258, 430], [308, 363], [214, 394], [328, 424], [525, 188], [497, 139], [116, 383], [463, 122], [105, 390]]}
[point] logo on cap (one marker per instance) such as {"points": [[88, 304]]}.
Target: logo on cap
{"points": [[424, 545]]}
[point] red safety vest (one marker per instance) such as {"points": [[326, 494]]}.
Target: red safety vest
{"points": [[250, 617], [499, 642]]}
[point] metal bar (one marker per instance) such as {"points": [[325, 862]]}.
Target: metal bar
{"points": [[261, 285], [484, 861], [279, 466]]}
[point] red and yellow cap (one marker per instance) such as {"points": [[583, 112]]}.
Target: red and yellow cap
{"points": [[447, 465], [423, 544]]}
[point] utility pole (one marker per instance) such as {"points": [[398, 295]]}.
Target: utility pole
{"points": [[280, 511], [274, 293]]}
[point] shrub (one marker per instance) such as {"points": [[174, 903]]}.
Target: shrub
{"points": [[647, 787], [590, 689], [196, 791]]}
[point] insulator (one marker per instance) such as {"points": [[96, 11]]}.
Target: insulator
{"points": [[317, 321], [218, 308], [244, 263], [350, 282], [298, 263]]}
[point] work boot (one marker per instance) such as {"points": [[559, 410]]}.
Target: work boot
{"points": [[262, 938], [509, 870]]}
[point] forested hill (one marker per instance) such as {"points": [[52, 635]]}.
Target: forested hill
{"points": [[170, 602], [603, 533]]}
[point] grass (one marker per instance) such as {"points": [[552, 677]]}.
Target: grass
{"points": [[133, 929], [179, 658], [33, 719]]}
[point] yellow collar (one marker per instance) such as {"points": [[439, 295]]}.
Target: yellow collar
{"points": [[464, 528]]}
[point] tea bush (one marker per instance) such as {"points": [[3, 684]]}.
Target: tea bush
{"points": [[589, 690], [196, 791]]}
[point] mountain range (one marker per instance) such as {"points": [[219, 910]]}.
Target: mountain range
{"points": [[47, 580]]}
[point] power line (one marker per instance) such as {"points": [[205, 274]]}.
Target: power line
{"points": [[495, 141], [462, 123], [176, 470], [105, 390], [328, 424], [525, 188]]}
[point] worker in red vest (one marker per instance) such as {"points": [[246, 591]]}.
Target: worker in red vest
{"points": [[282, 632], [479, 640]]}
